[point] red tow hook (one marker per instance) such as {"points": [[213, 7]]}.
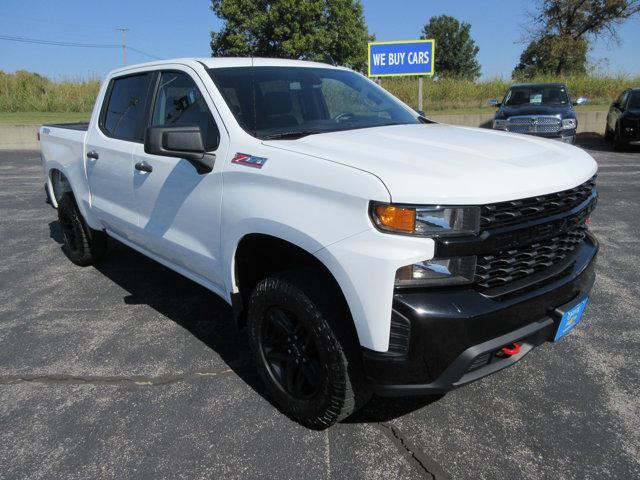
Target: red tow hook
{"points": [[510, 350]]}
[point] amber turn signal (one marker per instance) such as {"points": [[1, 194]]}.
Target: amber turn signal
{"points": [[398, 219]]}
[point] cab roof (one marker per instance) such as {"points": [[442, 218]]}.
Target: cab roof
{"points": [[536, 85], [229, 62]]}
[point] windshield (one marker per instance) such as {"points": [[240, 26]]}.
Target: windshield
{"points": [[634, 102], [289, 102], [537, 95]]}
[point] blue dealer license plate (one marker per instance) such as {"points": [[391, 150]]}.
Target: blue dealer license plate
{"points": [[570, 319]]}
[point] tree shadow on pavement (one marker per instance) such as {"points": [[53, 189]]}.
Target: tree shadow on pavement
{"points": [[209, 318]]}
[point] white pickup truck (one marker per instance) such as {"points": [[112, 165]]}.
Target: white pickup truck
{"points": [[365, 248]]}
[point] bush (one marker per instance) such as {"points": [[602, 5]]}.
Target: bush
{"points": [[445, 94], [29, 92]]}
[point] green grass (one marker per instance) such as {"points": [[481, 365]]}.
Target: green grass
{"points": [[27, 97], [29, 92], [38, 118], [449, 95]]}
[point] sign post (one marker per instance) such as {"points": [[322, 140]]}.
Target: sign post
{"points": [[403, 58]]}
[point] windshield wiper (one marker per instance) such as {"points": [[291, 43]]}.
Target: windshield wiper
{"points": [[290, 135]]}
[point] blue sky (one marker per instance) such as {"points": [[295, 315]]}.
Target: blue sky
{"points": [[181, 28]]}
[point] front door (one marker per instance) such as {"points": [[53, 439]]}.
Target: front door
{"points": [[178, 208], [109, 151]]}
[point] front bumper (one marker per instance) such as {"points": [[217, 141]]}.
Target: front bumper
{"points": [[567, 136], [630, 132], [454, 334]]}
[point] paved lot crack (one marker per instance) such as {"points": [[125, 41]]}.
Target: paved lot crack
{"points": [[427, 466], [112, 380]]}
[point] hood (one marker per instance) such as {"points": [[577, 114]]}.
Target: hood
{"points": [[443, 164], [509, 111]]}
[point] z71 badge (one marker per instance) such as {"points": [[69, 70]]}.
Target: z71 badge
{"points": [[249, 160]]}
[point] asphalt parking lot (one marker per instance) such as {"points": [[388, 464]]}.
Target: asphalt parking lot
{"points": [[131, 371]]}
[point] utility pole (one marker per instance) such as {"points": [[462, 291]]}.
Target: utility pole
{"points": [[124, 31]]}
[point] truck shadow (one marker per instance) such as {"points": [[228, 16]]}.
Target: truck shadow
{"points": [[209, 319], [595, 141]]}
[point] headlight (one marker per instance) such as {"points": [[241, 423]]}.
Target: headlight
{"points": [[426, 221], [569, 123], [442, 271], [499, 124]]}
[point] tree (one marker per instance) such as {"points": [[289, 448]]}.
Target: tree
{"points": [[544, 56], [455, 49], [560, 34], [310, 29]]}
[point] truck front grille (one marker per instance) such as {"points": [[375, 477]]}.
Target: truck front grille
{"points": [[534, 124], [517, 211], [502, 267]]}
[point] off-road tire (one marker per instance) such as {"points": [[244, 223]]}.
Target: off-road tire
{"points": [[616, 142], [82, 245], [320, 309]]}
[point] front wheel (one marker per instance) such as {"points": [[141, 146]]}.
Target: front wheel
{"points": [[305, 350], [618, 144]]}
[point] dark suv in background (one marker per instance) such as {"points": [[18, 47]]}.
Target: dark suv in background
{"points": [[542, 109], [623, 119]]}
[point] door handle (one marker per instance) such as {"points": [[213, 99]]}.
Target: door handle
{"points": [[93, 154], [144, 167]]}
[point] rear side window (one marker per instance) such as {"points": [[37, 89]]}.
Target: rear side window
{"points": [[179, 103], [125, 109]]}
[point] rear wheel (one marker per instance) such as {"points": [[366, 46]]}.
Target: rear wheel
{"points": [[83, 245], [306, 353]]}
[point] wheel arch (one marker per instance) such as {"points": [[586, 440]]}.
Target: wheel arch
{"points": [[258, 255], [59, 182]]}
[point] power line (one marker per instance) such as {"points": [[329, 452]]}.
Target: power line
{"points": [[11, 38], [129, 47], [59, 44]]}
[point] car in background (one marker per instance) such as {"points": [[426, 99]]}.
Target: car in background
{"points": [[623, 119], [542, 109]]}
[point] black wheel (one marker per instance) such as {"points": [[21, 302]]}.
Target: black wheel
{"points": [[83, 245], [305, 349], [618, 144], [608, 136]]}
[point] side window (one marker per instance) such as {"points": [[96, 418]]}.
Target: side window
{"points": [[623, 100], [125, 108], [179, 103]]}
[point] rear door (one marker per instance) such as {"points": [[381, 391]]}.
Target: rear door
{"points": [[109, 152], [178, 208]]}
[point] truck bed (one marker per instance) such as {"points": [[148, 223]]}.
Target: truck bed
{"points": [[82, 126]]}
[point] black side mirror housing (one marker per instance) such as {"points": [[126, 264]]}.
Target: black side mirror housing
{"points": [[182, 142]]}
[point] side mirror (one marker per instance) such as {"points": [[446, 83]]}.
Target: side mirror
{"points": [[421, 113], [615, 105], [581, 101], [182, 142], [494, 102]]}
